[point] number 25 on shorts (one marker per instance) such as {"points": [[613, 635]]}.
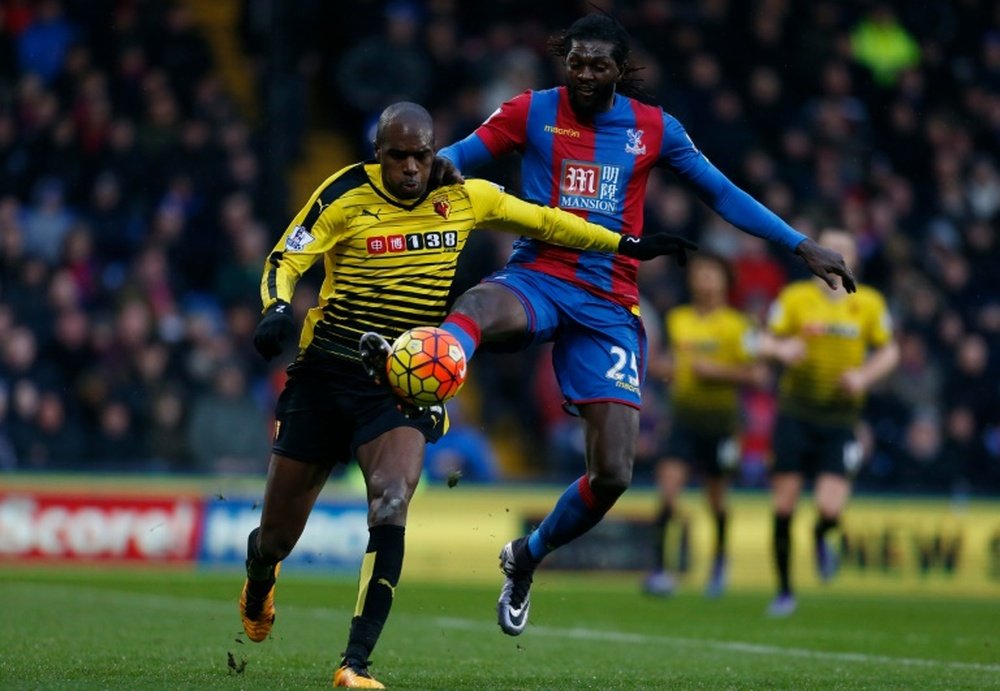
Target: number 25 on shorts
{"points": [[622, 358]]}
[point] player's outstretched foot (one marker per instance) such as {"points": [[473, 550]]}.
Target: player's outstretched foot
{"points": [[659, 584], [354, 675], [515, 596], [827, 561], [784, 605], [257, 607], [716, 586], [374, 351]]}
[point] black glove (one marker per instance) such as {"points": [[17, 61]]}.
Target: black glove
{"points": [[276, 327], [656, 245]]}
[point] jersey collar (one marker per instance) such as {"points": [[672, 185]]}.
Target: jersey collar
{"points": [[617, 102]]}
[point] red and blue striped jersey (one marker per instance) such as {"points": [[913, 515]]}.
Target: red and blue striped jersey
{"points": [[598, 170]]}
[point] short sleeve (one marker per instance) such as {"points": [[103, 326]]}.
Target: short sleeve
{"points": [[780, 319], [880, 324], [506, 129]]}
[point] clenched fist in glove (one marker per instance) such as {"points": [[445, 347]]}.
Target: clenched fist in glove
{"points": [[656, 245], [274, 329]]}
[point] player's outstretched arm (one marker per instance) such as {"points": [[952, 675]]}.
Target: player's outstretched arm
{"points": [[827, 264], [745, 212], [506, 212]]}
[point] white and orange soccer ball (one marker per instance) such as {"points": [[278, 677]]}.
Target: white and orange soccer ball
{"points": [[426, 366]]}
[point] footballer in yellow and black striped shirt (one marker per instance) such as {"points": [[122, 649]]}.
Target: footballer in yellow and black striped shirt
{"points": [[389, 242], [834, 346]]}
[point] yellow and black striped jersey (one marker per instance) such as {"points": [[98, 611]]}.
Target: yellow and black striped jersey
{"points": [[722, 336], [838, 331], [389, 263]]}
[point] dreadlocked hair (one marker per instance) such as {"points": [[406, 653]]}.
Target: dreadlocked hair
{"points": [[603, 27]]}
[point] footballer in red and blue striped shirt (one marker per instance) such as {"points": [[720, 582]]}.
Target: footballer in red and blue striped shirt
{"points": [[588, 148]]}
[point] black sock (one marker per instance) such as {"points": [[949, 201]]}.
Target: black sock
{"points": [[783, 551], [824, 525], [720, 534], [660, 536], [380, 571], [259, 572], [684, 547]]}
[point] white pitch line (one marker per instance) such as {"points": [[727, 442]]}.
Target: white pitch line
{"points": [[725, 646], [172, 602]]}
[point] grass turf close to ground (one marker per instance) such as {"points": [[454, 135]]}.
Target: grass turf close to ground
{"points": [[150, 629]]}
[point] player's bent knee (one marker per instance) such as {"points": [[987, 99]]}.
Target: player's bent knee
{"points": [[607, 487], [390, 507], [493, 308]]}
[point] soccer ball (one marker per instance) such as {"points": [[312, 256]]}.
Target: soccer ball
{"points": [[426, 366]]}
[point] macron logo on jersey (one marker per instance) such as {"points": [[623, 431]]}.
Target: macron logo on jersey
{"points": [[590, 186], [562, 131]]}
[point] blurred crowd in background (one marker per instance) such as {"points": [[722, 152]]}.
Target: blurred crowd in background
{"points": [[137, 205]]}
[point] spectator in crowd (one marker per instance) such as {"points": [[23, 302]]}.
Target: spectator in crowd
{"points": [[365, 83], [228, 432], [69, 350], [883, 45], [917, 382], [43, 45], [47, 222], [116, 444], [56, 435], [166, 437]]}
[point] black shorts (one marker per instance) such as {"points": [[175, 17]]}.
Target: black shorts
{"points": [[811, 448], [326, 412], [714, 455]]}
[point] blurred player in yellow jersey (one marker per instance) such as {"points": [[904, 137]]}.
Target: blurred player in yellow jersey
{"points": [[710, 348], [389, 241], [834, 346]]}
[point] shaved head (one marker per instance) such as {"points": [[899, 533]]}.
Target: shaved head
{"points": [[404, 148], [405, 115]]}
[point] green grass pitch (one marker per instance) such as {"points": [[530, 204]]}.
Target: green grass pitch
{"points": [[175, 630]]}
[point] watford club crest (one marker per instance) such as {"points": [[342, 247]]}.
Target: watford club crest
{"points": [[441, 207]]}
